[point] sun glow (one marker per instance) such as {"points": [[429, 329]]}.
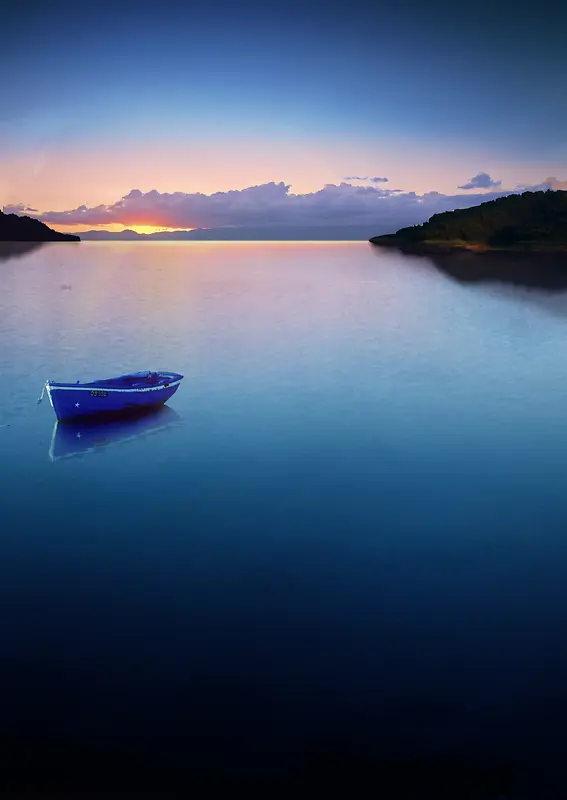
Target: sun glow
{"points": [[113, 228]]}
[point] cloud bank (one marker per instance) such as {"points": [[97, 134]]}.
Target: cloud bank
{"points": [[272, 204], [481, 180]]}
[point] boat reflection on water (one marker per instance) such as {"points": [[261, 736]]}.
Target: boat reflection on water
{"points": [[90, 436]]}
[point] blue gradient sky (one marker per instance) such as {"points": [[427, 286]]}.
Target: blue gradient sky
{"points": [[100, 100]]}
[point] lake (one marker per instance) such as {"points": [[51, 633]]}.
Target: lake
{"points": [[348, 534]]}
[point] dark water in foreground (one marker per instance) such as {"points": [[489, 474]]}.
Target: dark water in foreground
{"points": [[347, 539]]}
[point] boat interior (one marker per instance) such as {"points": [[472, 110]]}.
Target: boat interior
{"points": [[135, 380]]}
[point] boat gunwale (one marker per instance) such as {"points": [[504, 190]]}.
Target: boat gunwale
{"points": [[89, 387]]}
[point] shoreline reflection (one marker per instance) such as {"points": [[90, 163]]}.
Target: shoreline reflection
{"points": [[541, 271], [10, 250]]}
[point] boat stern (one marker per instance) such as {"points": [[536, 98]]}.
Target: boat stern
{"points": [[174, 377], [48, 390], [65, 403]]}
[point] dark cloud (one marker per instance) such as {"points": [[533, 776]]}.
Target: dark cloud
{"points": [[481, 180], [373, 180], [20, 208], [548, 183], [272, 204]]}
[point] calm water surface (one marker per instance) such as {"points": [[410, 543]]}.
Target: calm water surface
{"points": [[351, 527]]}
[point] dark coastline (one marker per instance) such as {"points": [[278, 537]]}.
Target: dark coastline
{"points": [[532, 222], [15, 229]]}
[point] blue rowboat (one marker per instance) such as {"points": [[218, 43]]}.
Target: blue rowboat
{"points": [[127, 393], [92, 435]]}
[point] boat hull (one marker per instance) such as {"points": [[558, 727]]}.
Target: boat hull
{"points": [[72, 402]]}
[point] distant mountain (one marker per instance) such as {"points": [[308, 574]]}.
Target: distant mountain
{"points": [[528, 221], [109, 235], [14, 228], [259, 233]]}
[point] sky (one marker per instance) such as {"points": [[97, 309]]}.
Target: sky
{"points": [[166, 115]]}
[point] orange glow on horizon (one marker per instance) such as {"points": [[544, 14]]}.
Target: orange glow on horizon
{"points": [[148, 229], [114, 228]]}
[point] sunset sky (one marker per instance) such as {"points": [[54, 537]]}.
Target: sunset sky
{"points": [[167, 104]]}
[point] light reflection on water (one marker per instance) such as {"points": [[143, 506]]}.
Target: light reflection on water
{"points": [[357, 530]]}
